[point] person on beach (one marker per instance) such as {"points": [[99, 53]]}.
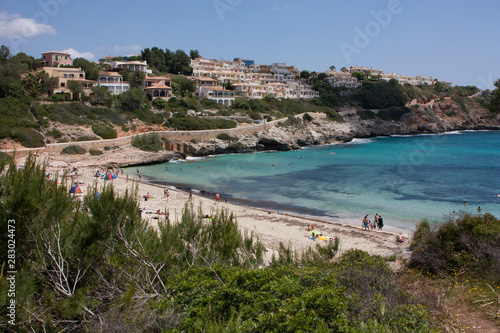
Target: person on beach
{"points": [[314, 234], [400, 238], [375, 221], [225, 198], [217, 198], [165, 193], [380, 222], [366, 222], [190, 195], [479, 209]]}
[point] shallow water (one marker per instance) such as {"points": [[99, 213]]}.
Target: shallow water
{"points": [[405, 179]]}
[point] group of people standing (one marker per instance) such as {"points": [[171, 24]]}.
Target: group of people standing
{"points": [[378, 222]]}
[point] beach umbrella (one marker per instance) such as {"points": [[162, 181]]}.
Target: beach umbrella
{"points": [[75, 189]]}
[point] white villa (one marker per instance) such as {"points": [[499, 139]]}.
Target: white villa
{"points": [[114, 82]]}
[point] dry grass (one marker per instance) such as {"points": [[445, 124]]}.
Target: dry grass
{"points": [[458, 302]]}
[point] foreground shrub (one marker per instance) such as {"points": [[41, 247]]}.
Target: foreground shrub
{"points": [[470, 242], [148, 142], [104, 131], [348, 296], [28, 137], [74, 150]]}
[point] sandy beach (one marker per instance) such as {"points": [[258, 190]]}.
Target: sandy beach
{"points": [[271, 227]]}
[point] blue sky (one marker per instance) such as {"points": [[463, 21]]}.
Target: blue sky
{"points": [[454, 41]]}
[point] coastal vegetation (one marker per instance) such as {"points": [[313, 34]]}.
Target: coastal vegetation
{"points": [[149, 142], [95, 265], [31, 113]]}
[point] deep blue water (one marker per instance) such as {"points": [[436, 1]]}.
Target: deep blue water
{"points": [[404, 179]]}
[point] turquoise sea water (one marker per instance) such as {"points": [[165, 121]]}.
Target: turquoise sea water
{"points": [[404, 179]]}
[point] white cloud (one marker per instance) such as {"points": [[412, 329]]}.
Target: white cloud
{"points": [[15, 26], [76, 54], [127, 48]]}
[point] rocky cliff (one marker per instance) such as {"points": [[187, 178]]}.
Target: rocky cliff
{"points": [[437, 117]]}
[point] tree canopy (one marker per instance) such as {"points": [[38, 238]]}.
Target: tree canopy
{"points": [[174, 62]]}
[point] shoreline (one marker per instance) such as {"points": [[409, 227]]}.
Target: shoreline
{"points": [[271, 227], [275, 207]]}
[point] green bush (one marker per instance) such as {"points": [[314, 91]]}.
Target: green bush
{"points": [[189, 123], [308, 117], [87, 138], [240, 103], [394, 114], [227, 137], [104, 131], [55, 133], [148, 142], [366, 114], [469, 242], [95, 152], [358, 291], [15, 113], [28, 137], [160, 104], [209, 103], [58, 98], [74, 150]]}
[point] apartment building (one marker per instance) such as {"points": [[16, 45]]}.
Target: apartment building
{"points": [[56, 59], [66, 74], [130, 66], [254, 80]]}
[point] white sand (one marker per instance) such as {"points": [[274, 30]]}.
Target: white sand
{"points": [[270, 227]]}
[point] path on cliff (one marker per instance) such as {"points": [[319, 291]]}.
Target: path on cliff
{"points": [[184, 136]]}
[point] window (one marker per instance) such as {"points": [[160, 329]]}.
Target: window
{"points": [[63, 84], [56, 58]]}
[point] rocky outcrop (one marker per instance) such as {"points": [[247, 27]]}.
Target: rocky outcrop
{"points": [[442, 116]]}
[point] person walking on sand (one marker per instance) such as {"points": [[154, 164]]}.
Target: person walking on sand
{"points": [[380, 222], [190, 195], [217, 198], [366, 222]]}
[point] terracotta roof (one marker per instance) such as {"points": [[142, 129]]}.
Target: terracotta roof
{"points": [[109, 74], [158, 86]]}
